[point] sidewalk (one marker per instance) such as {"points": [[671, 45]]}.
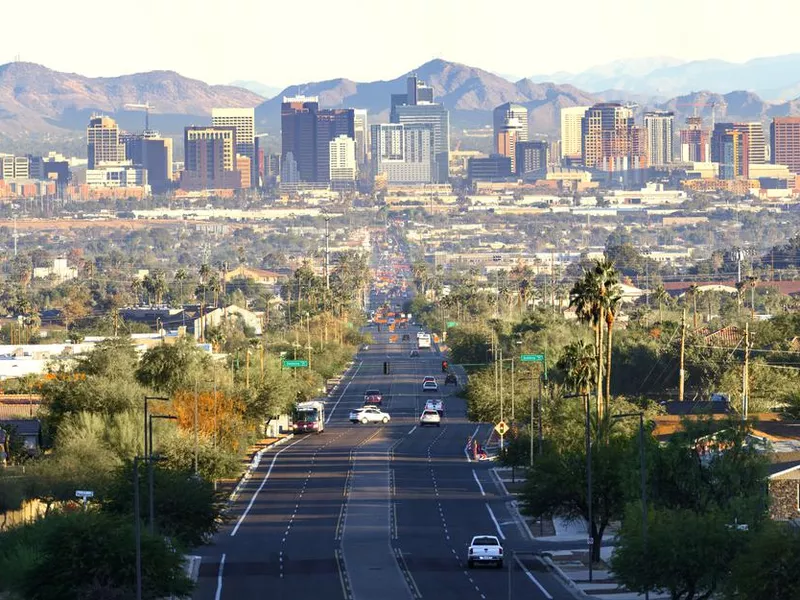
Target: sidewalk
{"points": [[571, 564]]}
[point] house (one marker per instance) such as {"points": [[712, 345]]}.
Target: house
{"points": [[60, 271], [30, 430], [258, 275], [784, 488]]}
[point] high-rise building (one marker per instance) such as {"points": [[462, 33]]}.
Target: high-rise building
{"points": [[404, 153], [153, 153], [754, 139], [14, 167], [606, 137], [342, 152], [421, 110], [331, 123], [571, 118], [245, 167], [785, 141], [103, 142], [510, 116], [531, 156], [243, 120], [490, 168], [694, 141], [361, 126], [659, 127], [210, 159], [506, 144], [730, 147], [298, 137]]}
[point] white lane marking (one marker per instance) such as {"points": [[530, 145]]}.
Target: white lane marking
{"points": [[533, 579], [496, 524], [411, 430], [330, 416], [475, 475], [218, 595], [261, 487], [468, 447]]}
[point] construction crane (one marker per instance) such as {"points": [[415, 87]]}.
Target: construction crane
{"points": [[146, 107], [713, 104]]}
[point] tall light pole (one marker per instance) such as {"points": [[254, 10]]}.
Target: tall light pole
{"points": [[327, 254], [643, 478], [137, 522], [589, 499], [150, 469], [146, 401]]}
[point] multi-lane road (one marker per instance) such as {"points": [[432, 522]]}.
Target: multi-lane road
{"points": [[375, 512]]}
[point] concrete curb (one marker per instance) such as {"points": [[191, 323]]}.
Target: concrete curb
{"points": [[559, 572], [513, 508], [252, 467]]}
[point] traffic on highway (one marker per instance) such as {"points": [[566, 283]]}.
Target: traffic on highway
{"points": [[387, 502]]}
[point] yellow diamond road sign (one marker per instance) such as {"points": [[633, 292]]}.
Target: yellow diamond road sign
{"points": [[501, 428]]}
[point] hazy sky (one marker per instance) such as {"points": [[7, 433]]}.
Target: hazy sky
{"points": [[279, 42]]}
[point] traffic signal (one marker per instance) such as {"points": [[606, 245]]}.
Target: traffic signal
{"points": [[386, 368]]}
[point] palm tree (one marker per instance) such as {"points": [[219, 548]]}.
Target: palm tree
{"points": [[613, 301], [580, 364], [586, 297], [660, 295], [205, 274], [692, 293], [136, 289], [181, 275], [752, 281]]}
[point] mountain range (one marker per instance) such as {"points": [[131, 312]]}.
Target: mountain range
{"points": [[36, 101], [774, 78]]}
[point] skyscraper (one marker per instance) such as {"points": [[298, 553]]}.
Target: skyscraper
{"points": [[298, 137], [342, 161], [531, 156], [659, 127], [694, 141], [730, 147], [417, 108], [154, 154], [331, 123], [785, 138], [404, 152], [571, 118], [754, 139], [508, 115], [103, 142], [607, 137], [243, 121], [209, 159], [361, 126]]}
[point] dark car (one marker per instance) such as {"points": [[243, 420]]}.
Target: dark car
{"points": [[405, 337], [373, 398], [451, 379], [414, 353]]}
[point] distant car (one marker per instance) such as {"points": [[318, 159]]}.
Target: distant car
{"points": [[485, 549], [373, 398], [451, 379], [369, 414], [405, 337], [430, 385], [436, 405], [430, 416], [414, 353]]}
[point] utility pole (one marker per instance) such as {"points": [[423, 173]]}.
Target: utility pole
{"points": [[681, 371], [746, 372], [512, 389], [16, 235], [327, 254]]}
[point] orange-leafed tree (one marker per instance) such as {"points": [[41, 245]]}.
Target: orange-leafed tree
{"points": [[220, 416]]}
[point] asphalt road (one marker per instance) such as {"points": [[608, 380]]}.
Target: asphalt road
{"points": [[374, 512]]}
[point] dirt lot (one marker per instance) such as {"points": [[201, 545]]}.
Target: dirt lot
{"points": [[71, 224]]}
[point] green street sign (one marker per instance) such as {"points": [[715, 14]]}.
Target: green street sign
{"points": [[452, 323], [295, 364], [532, 358]]}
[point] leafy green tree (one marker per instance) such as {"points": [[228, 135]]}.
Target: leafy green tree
{"points": [[187, 507], [80, 555], [768, 566], [168, 367], [688, 554]]}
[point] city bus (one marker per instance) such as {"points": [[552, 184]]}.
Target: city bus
{"points": [[308, 417], [423, 340]]}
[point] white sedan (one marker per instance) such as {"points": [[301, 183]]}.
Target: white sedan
{"points": [[369, 414], [430, 385]]}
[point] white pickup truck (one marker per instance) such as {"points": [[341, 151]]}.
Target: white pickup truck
{"points": [[485, 549]]}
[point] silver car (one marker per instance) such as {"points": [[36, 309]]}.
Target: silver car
{"points": [[369, 414], [430, 416]]}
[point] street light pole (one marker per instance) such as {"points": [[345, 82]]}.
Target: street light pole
{"points": [[589, 499], [150, 474], [137, 521], [643, 478]]}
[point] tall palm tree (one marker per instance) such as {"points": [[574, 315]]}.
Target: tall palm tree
{"points": [[205, 275], [586, 297], [660, 295], [753, 282], [613, 301], [181, 275], [580, 365], [691, 293]]}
